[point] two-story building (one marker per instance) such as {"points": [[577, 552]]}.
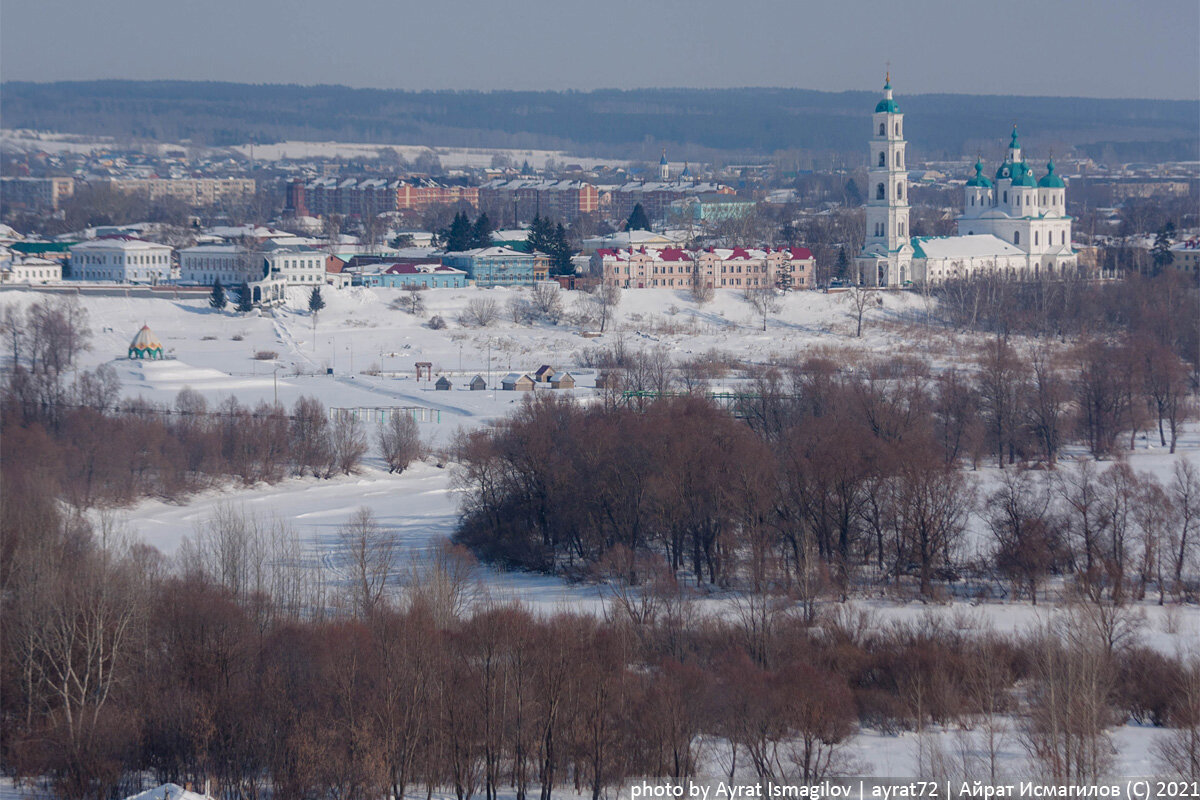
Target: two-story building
{"points": [[500, 266], [124, 259], [713, 267], [427, 275]]}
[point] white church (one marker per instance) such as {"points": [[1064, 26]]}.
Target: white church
{"points": [[1013, 227]]}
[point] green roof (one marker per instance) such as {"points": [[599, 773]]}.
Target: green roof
{"points": [[887, 105], [917, 251], [1051, 181], [979, 179], [1017, 171], [1015, 144], [33, 248]]}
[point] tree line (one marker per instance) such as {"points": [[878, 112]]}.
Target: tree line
{"points": [[236, 666], [821, 475]]}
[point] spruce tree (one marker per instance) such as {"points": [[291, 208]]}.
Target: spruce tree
{"points": [[843, 263], [560, 253], [217, 299], [458, 235], [315, 301], [481, 231], [245, 299], [638, 221], [541, 235], [1161, 252]]}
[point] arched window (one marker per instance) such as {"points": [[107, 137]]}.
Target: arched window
{"points": [[1035, 237], [899, 191], [1016, 237], [972, 199], [882, 159], [901, 226], [897, 128], [881, 129], [879, 192], [1006, 197]]}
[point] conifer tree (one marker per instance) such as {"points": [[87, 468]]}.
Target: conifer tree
{"points": [[458, 235], [638, 221], [541, 235], [217, 299], [1161, 252], [481, 231], [560, 252], [315, 301], [245, 300]]}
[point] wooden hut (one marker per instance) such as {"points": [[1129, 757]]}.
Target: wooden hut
{"points": [[443, 384], [562, 380], [478, 384], [517, 382]]}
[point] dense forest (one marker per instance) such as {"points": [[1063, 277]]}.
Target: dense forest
{"points": [[625, 123]]}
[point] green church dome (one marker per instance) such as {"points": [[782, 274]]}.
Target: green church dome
{"points": [[1051, 181], [887, 105], [979, 179]]}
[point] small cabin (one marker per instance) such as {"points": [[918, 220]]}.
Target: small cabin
{"points": [[544, 373], [443, 384], [478, 384], [516, 382], [562, 380]]}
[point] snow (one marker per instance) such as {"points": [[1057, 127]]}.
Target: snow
{"points": [[214, 354]]}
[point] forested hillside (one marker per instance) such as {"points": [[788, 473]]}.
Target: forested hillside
{"points": [[632, 123]]}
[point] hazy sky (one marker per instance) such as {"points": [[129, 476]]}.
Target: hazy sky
{"points": [[1096, 48]]}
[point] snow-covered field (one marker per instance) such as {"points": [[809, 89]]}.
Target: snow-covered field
{"points": [[214, 353]]}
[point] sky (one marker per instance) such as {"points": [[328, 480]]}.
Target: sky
{"points": [[1090, 48]]}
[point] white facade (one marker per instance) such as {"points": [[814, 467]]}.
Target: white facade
{"points": [[121, 258], [299, 266], [30, 270], [1015, 228], [886, 258], [231, 264]]}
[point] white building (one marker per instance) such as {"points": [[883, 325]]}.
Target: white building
{"points": [[30, 270], [124, 259], [298, 265], [231, 264], [1015, 227]]}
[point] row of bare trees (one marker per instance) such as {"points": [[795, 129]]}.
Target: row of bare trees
{"points": [[118, 665]]}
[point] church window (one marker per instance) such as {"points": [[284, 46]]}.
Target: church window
{"points": [[899, 191], [1006, 197], [882, 159], [881, 129], [901, 228], [879, 192], [897, 128], [1016, 237], [1035, 237], [972, 199]]}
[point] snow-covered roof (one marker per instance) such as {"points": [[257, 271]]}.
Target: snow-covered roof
{"points": [[724, 254], [490, 252], [123, 243], [978, 245]]}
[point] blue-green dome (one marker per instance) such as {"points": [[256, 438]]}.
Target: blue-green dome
{"points": [[979, 179], [887, 104], [1016, 171], [1051, 181], [1015, 144]]}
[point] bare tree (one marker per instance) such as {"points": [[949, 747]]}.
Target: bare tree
{"points": [[547, 302], [765, 302], [480, 313], [369, 554], [861, 298], [399, 441], [604, 299], [1178, 753]]}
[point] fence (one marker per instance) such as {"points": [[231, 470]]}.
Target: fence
{"points": [[383, 413]]}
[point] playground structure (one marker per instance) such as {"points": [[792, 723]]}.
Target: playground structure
{"points": [[382, 414]]}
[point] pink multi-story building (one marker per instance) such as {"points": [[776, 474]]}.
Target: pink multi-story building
{"points": [[714, 267]]}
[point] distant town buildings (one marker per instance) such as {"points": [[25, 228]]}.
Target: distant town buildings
{"points": [[30, 270], [522, 199], [500, 266], [369, 197], [714, 267], [124, 259], [426, 275], [194, 192], [36, 194]]}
